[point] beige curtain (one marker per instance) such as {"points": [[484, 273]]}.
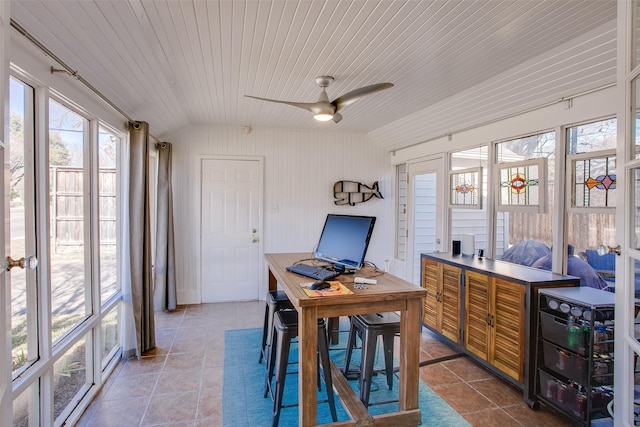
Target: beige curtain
{"points": [[164, 293], [140, 238]]}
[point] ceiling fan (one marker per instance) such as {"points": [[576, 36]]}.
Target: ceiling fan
{"points": [[324, 110]]}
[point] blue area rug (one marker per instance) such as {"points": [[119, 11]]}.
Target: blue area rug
{"points": [[243, 404]]}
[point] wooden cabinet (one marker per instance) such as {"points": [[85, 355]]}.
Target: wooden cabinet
{"points": [[487, 309], [495, 323], [441, 305]]}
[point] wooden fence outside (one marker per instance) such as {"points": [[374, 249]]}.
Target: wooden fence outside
{"points": [[67, 208]]}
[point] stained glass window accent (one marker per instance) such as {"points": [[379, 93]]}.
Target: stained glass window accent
{"points": [[521, 185], [595, 181], [465, 188]]}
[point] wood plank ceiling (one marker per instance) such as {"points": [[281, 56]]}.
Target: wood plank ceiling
{"points": [[175, 63]]}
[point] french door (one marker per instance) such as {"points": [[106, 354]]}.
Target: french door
{"points": [[426, 217], [627, 333], [61, 237], [22, 259]]}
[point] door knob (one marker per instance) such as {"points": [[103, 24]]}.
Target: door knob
{"points": [[254, 236], [604, 250], [30, 262]]}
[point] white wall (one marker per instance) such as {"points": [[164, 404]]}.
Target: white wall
{"points": [[300, 168], [588, 107]]}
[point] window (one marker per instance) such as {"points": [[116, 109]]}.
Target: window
{"points": [[591, 170], [22, 241], [525, 185], [68, 197], [465, 188], [75, 190], [108, 144], [401, 212], [468, 172]]}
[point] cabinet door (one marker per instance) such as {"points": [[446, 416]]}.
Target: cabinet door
{"points": [[507, 332], [450, 302], [430, 280], [476, 317]]}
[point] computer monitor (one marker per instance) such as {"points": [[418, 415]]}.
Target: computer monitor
{"points": [[344, 240]]}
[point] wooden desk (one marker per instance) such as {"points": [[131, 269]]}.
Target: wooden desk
{"points": [[389, 294]]}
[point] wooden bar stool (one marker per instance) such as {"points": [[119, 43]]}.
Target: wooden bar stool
{"points": [[276, 301], [369, 327], [285, 327]]}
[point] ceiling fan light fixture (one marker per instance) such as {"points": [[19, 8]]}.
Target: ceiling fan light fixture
{"points": [[324, 110], [323, 117]]}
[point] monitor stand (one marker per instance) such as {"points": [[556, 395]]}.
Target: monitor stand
{"points": [[343, 270]]}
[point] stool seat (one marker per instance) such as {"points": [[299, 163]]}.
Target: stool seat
{"points": [[275, 301], [369, 327], [285, 328]]}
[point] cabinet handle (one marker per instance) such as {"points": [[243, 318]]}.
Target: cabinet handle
{"points": [[489, 319]]}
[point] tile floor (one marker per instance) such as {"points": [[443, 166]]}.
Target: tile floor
{"points": [[180, 382]]}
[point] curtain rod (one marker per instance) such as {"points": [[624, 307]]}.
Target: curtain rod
{"points": [[71, 72]]}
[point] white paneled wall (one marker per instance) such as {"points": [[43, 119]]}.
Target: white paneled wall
{"points": [[300, 168]]}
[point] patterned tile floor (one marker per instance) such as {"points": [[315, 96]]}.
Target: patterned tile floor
{"points": [[179, 383]]}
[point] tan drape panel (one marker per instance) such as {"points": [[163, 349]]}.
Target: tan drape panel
{"points": [[164, 294], [140, 238]]}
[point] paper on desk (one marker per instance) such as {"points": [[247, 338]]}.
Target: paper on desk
{"points": [[336, 288]]}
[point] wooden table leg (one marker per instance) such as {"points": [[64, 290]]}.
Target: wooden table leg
{"points": [[308, 364], [409, 355], [273, 282]]}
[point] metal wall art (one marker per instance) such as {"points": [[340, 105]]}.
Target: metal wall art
{"points": [[351, 192]]}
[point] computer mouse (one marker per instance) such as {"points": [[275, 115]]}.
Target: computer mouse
{"points": [[319, 285]]}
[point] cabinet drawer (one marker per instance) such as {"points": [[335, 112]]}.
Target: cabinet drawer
{"points": [[575, 367], [554, 329], [566, 397], [566, 363]]}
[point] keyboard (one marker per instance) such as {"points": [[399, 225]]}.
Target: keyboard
{"points": [[317, 273]]}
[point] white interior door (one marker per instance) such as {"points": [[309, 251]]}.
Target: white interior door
{"points": [[230, 224], [426, 218]]}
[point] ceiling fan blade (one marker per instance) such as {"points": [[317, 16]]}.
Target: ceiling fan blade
{"points": [[337, 117], [309, 106], [351, 97]]}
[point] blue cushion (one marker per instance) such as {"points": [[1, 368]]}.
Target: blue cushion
{"points": [[601, 262], [576, 267], [526, 252]]}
